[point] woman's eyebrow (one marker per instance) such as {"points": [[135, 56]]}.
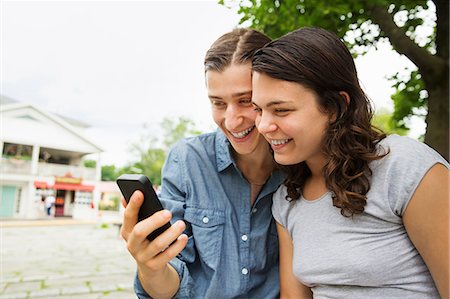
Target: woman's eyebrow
{"points": [[274, 103]]}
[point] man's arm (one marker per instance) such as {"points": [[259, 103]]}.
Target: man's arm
{"points": [[157, 277]]}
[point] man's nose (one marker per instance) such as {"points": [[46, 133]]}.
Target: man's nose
{"points": [[233, 117]]}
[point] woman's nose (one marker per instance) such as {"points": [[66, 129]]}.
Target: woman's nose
{"points": [[265, 124]]}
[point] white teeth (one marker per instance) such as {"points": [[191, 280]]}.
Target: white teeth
{"points": [[279, 141], [243, 133]]}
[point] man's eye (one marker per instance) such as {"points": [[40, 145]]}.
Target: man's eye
{"points": [[246, 101], [257, 109], [218, 104]]}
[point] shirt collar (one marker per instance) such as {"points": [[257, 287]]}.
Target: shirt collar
{"points": [[223, 151]]}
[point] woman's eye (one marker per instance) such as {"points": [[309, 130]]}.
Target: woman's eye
{"points": [[281, 111], [257, 109]]}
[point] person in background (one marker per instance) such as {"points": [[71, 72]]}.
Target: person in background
{"points": [[217, 189], [360, 214], [49, 202]]}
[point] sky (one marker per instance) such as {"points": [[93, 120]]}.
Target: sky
{"points": [[117, 65]]}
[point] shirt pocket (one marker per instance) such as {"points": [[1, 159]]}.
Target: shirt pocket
{"points": [[207, 231]]}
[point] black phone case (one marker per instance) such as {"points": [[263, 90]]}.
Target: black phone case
{"points": [[128, 183]]}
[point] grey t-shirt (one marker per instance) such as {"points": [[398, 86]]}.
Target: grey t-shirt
{"points": [[371, 255]]}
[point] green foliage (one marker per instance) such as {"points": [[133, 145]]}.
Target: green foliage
{"points": [[409, 98], [109, 204], [383, 120], [90, 163], [277, 17], [151, 155], [176, 131], [151, 163], [109, 173], [353, 21]]}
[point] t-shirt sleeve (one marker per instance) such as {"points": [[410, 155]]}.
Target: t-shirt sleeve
{"points": [[279, 206], [406, 165]]}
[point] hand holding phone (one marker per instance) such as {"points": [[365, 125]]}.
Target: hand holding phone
{"points": [[128, 183]]}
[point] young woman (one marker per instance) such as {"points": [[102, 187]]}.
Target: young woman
{"points": [[218, 188], [360, 214]]}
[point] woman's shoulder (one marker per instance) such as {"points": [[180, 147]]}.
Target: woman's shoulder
{"points": [[280, 197], [396, 176], [405, 158], [408, 150]]}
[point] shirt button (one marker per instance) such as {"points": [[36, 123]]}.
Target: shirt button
{"points": [[244, 238], [244, 271], [205, 220], [254, 210]]}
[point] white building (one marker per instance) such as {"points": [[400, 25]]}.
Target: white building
{"points": [[42, 154]]}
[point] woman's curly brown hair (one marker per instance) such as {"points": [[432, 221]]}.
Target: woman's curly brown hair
{"points": [[319, 61]]}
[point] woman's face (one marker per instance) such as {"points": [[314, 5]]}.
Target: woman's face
{"points": [[230, 93], [290, 119]]}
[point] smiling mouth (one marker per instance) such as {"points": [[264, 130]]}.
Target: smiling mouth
{"points": [[242, 134], [279, 141]]}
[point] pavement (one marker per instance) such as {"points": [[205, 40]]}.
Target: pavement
{"points": [[64, 259]]}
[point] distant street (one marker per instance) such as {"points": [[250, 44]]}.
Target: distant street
{"points": [[64, 260]]}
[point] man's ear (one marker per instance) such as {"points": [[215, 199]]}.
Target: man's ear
{"points": [[346, 96]]}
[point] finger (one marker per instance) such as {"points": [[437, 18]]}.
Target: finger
{"points": [[130, 216], [150, 255], [163, 241], [169, 253], [124, 202], [142, 229]]}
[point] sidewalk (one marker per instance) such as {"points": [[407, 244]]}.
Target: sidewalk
{"points": [[64, 259], [44, 222]]}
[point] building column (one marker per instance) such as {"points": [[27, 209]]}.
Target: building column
{"points": [[98, 169], [96, 194], [35, 159]]}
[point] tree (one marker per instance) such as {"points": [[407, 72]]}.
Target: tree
{"points": [[90, 163], [109, 173], [151, 154], [176, 131], [423, 39], [383, 120]]}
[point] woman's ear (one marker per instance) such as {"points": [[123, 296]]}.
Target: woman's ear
{"points": [[346, 97], [341, 108]]}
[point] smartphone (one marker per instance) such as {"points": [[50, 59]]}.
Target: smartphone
{"points": [[128, 183]]}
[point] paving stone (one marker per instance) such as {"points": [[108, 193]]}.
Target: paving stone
{"points": [[65, 262]]}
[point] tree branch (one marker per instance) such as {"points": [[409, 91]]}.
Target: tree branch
{"points": [[426, 62]]}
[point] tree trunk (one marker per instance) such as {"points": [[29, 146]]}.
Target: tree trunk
{"points": [[433, 68], [437, 119], [437, 134]]}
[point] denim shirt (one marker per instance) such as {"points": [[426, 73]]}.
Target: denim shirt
{"points": [[232, 251]]}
